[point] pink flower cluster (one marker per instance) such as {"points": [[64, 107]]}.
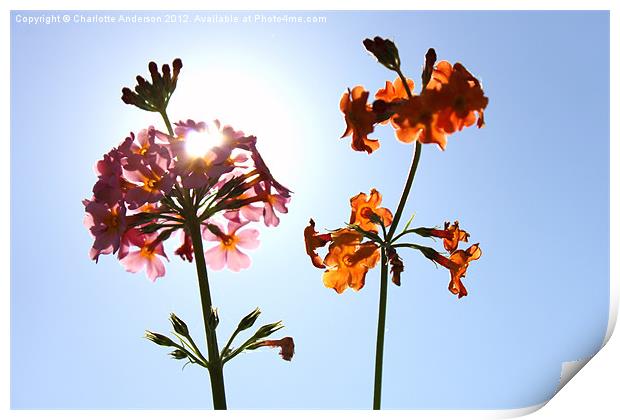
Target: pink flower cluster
{"points": [[151, 183]]}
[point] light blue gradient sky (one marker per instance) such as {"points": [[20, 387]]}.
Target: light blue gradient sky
{"points": [[532, 187]]}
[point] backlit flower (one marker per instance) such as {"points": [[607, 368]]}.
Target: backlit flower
{"points": [[348, 260], [457, 264], [186, 250], [146, 256], [451, 235], [394, 91], [462, 98], [107, 224], [365, 209], [416, 120], [202, 156], [227, 253], [313, 241], [360, 119]]}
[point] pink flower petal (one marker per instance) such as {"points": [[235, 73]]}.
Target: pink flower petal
{"points": [[248, 238], [237, 260], [216, 258], [133, 262], [155, 268]]}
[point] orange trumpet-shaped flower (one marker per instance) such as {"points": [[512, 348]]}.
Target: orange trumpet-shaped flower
{"points": [[451, 235], [457, 264], [364, 207], [313, 241], [460, 96], [456, 235], [348, 260], [360, 119]]}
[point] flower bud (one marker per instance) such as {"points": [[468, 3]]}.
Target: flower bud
{"points": [[213, 320], [178, 354], [385, 52], [249, 320], [267, 330], [179, 326], [159, 339], [429, 63]]}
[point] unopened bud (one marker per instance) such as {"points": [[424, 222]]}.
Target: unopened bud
{"points": [[249, 320], [159, 339], [267, 330], [214, 319], [178, 354], [385, 52], [179, 326]]}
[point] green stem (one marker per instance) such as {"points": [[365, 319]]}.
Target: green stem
{"points": [[164, 115], [376, 403], [406, 190], [216, 372]]}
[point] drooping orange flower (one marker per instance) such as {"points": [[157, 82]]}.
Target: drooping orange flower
{"points": [[394, 91], [348, 260], [363, 207], [461, 97], [313, 241], [457, 264], [360, 119], [286, 344]]}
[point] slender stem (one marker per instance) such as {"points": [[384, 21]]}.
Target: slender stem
{"points": [[376, 403], [164, 115], [406, 190], [215, 363]]}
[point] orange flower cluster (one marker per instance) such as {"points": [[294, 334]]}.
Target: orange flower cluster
{"points": [[452, 100], [349, 258]]}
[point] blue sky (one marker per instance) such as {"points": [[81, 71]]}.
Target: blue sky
{"points": [[532, 187]]}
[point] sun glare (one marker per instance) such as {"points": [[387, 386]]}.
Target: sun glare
{"points": [[248, 98], [199, 143]]}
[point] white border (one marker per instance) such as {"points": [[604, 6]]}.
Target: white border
{"points": [[596, 391]]}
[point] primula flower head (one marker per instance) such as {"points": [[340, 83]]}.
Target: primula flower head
{"points": [[365, 211], [227, 252], [348, 260], [360, 119]]}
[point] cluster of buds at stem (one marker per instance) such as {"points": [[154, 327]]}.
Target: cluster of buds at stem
{"points": [[154, 96]]}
